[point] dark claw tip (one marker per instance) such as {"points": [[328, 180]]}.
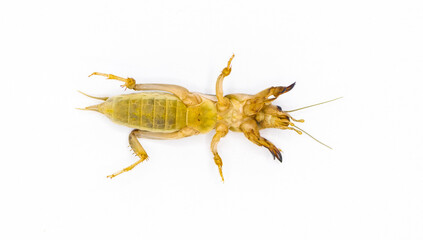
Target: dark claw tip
{"points": [[277, 155]]}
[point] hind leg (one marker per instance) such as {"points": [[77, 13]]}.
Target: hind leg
{"points": [[186, 96], [139, 150]]}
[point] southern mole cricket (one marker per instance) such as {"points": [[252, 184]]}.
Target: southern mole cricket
{"points": [[166, 111]]}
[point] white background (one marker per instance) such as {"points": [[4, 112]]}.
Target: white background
{"points": [[54, 159]]}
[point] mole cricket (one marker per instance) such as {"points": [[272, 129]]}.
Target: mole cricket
{"points": [[165, 111]]}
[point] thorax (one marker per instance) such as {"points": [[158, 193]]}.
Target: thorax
{"points": [[235, 116]]}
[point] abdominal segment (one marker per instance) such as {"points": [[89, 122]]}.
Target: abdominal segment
{"points": [[155, 112]]}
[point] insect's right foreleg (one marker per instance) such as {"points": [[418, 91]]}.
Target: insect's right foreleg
{"points": [[186, 96]]}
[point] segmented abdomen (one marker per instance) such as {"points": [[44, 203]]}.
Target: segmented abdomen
{"points": [[151, 111]]}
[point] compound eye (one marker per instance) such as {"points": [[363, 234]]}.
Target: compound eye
{"points": [[279, 108]]}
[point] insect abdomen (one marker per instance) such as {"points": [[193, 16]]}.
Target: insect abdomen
{"points": [[150, 111]]}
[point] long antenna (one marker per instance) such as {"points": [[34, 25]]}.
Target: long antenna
{"points": [[311, 136], [313, 105]]}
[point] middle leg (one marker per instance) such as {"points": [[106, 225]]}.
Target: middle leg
{"points": [[223, 102], [221, 131]]}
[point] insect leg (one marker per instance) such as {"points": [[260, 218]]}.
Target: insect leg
{"points": [[250, 130], [184, 132], [139, 150], [129, 82], [258, 101], [221, 131], [223, 102], [274, 91], [182, 93], [186, 96]]}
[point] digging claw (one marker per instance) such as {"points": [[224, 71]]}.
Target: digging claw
{"points": [[276, 154]]}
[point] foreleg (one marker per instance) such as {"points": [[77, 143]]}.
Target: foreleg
{"points": [[274, 91], [259, 100], [251, 131]]}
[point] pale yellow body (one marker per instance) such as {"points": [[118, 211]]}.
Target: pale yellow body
{"points": [[170, 112], [159, 112]]}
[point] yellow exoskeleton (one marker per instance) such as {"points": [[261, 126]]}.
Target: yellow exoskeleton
{"points": [[170, 112]]}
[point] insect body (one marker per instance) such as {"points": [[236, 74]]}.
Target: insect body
{"points": [[159, 112], [171, 112]]}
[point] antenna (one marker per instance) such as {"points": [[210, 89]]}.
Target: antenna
{"points": [[313, 105], [310, 136]]}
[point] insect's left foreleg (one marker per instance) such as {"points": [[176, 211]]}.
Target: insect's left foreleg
{"points": [[258, 101], [221, 131], [274, 91], [250, 130]]}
